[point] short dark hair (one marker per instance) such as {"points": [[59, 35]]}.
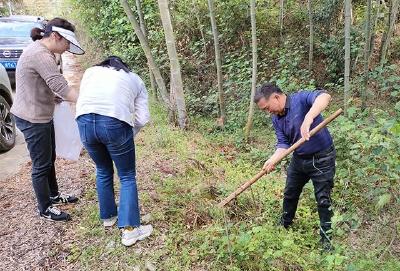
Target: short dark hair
{"points": [[38, 33], [265, 91], [115, 63]]}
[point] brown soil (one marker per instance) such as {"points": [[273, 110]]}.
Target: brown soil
{"points": [[27, 241], [31, 243]]}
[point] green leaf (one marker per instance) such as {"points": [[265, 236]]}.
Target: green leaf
{"points": [[351, 111], [383, 200], [395, 129], [351, 267], [287, 243], [397, 106]]}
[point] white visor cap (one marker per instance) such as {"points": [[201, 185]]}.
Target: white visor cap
{"points": [[74, 46]]}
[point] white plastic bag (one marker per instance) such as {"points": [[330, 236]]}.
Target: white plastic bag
{"points": [[68, 142]]}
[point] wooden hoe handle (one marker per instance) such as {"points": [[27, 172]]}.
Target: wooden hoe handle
{"points": [[246, 185]]}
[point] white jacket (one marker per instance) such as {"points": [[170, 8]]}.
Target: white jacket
{"points": [[116, 94]]}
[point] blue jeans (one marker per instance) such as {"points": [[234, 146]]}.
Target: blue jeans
{"points": [[41, 145], [320, 168], [109, 140]]}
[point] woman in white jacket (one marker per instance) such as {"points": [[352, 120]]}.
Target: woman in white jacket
{"points": [[111, 108]]}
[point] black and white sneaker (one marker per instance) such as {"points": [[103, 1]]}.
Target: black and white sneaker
{"points": [[55, 214], [63, 199]]}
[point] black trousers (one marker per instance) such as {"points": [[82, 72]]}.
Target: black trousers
{"points": [[41, 144], [320, 168]]}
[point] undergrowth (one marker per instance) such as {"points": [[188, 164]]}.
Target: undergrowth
{"points": [[184, 174]]}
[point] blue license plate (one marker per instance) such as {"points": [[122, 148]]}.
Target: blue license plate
{"points": [[9, 64]]}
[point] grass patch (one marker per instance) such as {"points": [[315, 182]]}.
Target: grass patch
{"points": [[182, 175]]}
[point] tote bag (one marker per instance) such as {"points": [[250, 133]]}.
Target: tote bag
{"points": [[68, 142]]}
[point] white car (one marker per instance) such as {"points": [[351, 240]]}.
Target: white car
{"points": [[7, 122]]}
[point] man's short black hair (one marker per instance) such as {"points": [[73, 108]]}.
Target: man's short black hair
{"points": [[265, 91]]}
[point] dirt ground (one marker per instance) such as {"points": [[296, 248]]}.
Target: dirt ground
{"points": [[28, 242], [31, 243]]}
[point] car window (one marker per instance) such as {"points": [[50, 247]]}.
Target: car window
{"points": [[17, 29]]}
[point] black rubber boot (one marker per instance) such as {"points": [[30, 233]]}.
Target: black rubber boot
{"points": [[289, 211], [325, 229], [282, 223]]}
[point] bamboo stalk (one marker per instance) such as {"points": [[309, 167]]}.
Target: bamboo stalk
{"points": [[176, 84], [247, 184], [347, 55], [249, 123], [218, 61], [147, 51]]}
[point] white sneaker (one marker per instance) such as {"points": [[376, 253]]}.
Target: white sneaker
{"points": [[109, 222], [129, 237]]}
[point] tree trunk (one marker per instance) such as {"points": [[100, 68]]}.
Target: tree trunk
{"points": [[146, 48], [347, 26], [176, 78], [217, 61], [249, 123], [389, 33], [387, 24], [374, 26], [367, 50], [196, 10], [144, 31], [311, 51], [141, 18], [281, 13], [172, 98]]}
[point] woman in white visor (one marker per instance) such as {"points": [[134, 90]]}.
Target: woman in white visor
{"points": [[38, 83]]}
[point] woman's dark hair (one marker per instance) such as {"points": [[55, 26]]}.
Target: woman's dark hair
{"points": [[38, 33], [114, 62]]}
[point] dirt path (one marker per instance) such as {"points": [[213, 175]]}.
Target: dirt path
{"points": [[28, 242], [11, 161]]}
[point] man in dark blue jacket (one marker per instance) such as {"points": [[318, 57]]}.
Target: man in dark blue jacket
{"points": [[293, 116]]}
